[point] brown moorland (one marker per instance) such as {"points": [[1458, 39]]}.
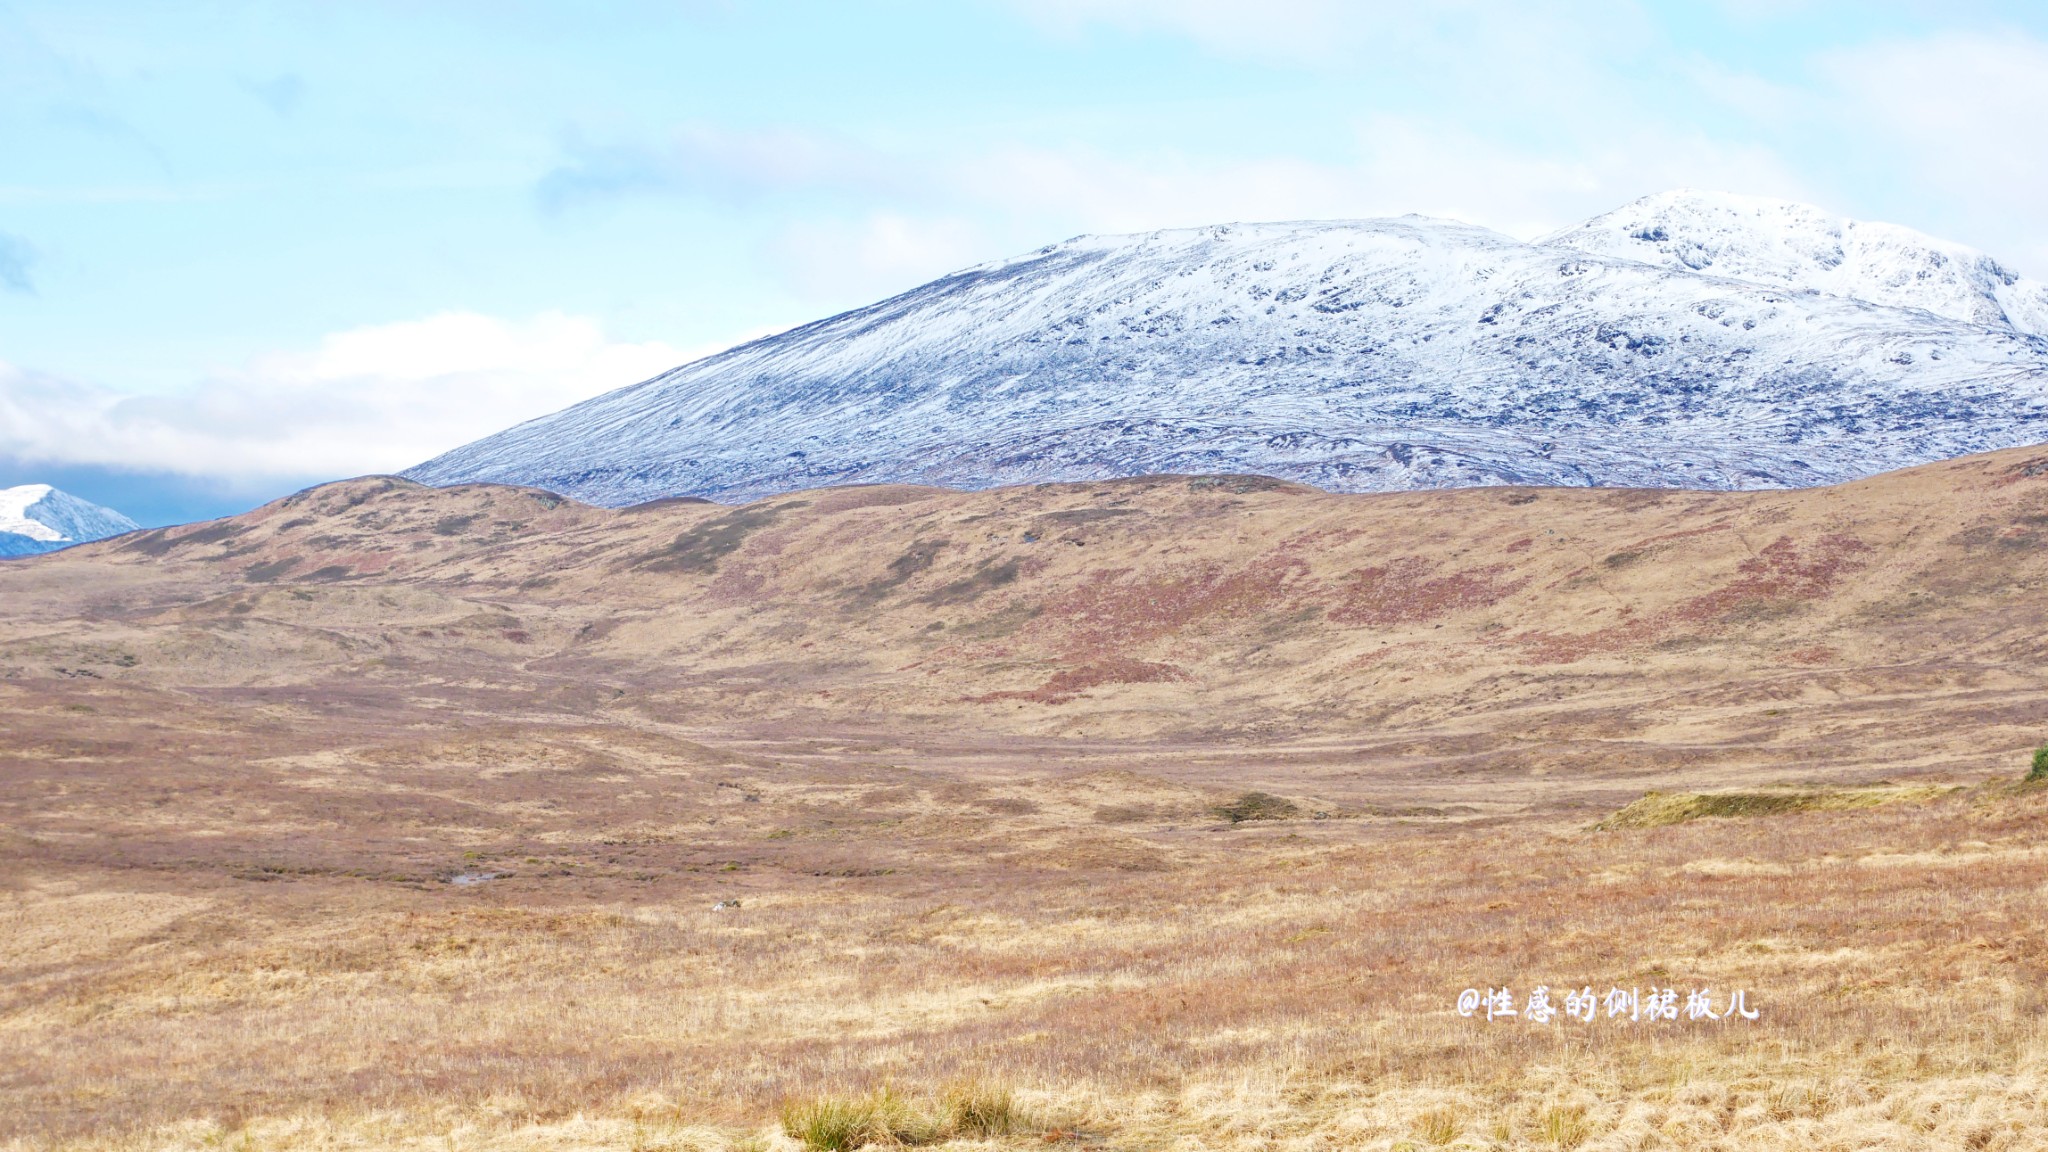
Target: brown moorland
{"points": [[1164, 812]]}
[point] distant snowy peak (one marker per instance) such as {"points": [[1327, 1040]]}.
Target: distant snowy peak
{"points": [[38, 518], [1800, 247]]}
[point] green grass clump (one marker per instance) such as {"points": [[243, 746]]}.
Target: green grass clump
{"points": [[844, 1123], [1662, 809], [829, 1123], [973, 1109], [2039, 773], [1437, 1127]]}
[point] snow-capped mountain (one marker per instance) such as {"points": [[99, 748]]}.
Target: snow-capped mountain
{"points": [[1690, 339], [38, 518]]}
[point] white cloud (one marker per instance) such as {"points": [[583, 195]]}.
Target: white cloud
{"points": [[371, 399], [1482, 110], [880, 254], [729, 167], [1960, 116], [1519, 118], [551, 353]]}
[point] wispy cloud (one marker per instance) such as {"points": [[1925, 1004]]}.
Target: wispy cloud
{"points": [[1960, 116], [281, 93], [17, 257], [730, 167], [844, 217], [1291, 30], [876, 254], [1497, 41]]}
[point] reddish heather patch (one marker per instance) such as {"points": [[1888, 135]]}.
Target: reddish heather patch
{"points": [[1409, 590], [1365, 660], [1111, 611], [1521, 545], [1551, 648], [769, 542], [1811, 654], [1065, 685], [736, 584], [1777, 577]]}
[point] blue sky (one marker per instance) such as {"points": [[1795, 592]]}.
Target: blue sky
{"points": [[245, 247]]}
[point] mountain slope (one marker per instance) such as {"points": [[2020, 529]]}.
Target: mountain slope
{"points": [[1356, 356], [37, 518]]}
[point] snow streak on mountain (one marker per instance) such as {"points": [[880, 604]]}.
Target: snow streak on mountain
{"points": [[1689, 339], [38, 518]]}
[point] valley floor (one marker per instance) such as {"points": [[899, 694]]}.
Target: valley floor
{"points": [[505, 933], [1182, 810]]}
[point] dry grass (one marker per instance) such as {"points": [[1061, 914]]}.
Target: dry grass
{"points": [[1279, 985]]}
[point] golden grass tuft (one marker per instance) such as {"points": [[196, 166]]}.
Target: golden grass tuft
{"points": [[980, 1109], [1565, 1126], [1438, 1127]]}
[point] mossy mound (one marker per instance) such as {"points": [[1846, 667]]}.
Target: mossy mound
{"points": [[1662, 809], [1256, 806]]}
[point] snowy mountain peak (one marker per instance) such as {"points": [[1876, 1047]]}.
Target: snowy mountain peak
{"points": [[1797, 246], [38, 518], [1687, 340]]}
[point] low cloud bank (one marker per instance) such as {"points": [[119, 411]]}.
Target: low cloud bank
{"points": [[372, 399]]}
